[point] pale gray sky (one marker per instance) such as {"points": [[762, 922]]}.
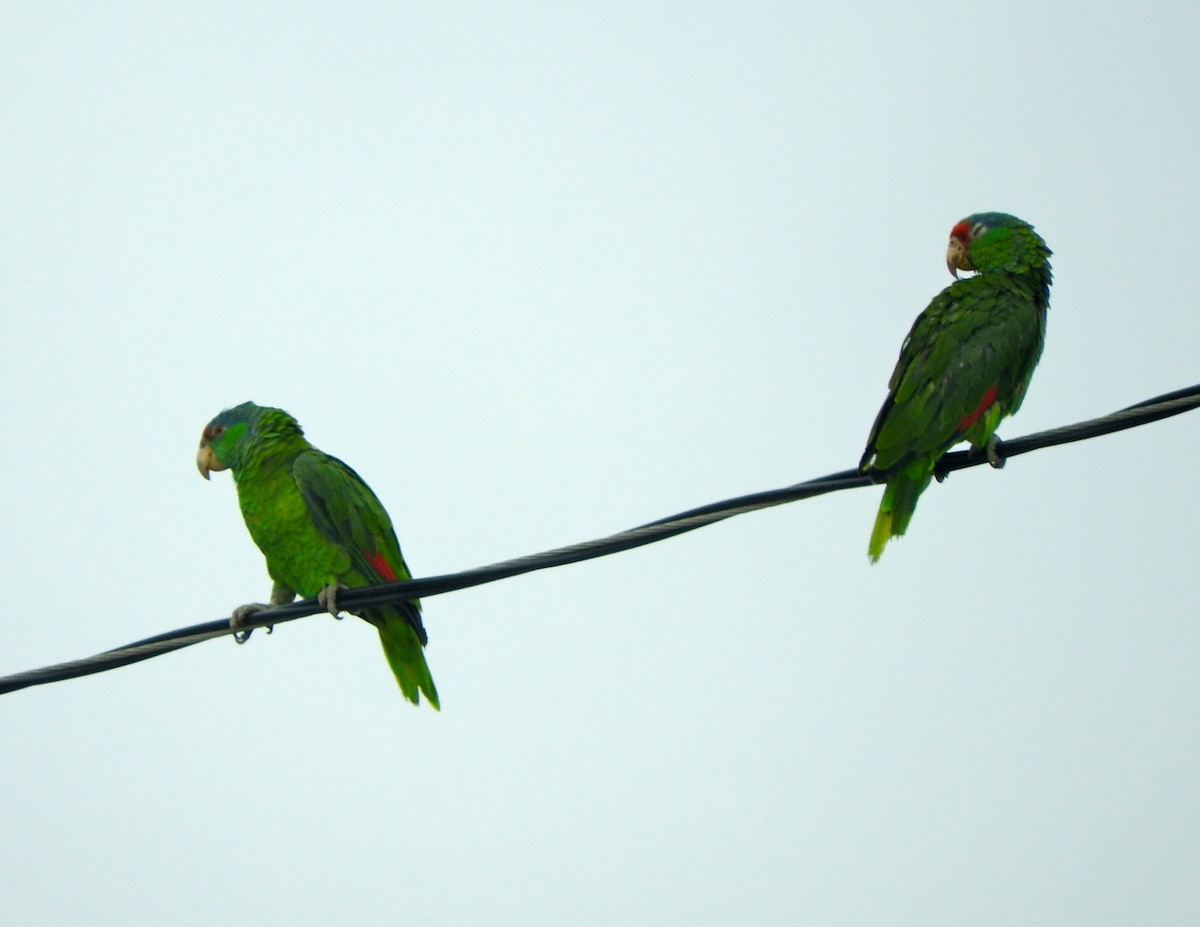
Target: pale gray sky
{"points": [[546, 272]]}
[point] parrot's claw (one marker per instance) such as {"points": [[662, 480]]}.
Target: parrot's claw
{"points": [[239, 618], [327, 597], [995, 452]]}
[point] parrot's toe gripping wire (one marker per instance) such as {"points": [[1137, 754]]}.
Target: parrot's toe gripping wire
{"points": [[238, 618], [995, 453], [328, 598]]}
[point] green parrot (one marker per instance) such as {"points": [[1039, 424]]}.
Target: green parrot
{"points": [[965, 364], [320, 527]]}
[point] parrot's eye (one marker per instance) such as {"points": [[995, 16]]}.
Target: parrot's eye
{"points": [[218, 430], [978, 229]]}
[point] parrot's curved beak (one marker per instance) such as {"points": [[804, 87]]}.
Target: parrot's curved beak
{"points": [[956, 256], [208, 462]]}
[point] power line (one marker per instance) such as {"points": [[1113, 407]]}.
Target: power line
{"points": [[1142, 413]]}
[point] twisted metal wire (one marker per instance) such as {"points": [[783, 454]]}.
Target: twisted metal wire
{"points": [[1142, 413]]}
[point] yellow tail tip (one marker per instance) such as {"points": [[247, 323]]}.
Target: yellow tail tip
{"points": [[880, 535]]}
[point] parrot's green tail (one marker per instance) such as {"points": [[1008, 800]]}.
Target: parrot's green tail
{"points": [[406, 657], [899, 503]]}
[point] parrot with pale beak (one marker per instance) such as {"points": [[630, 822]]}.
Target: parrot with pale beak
{"points": [[320, 527], [965, 365]]}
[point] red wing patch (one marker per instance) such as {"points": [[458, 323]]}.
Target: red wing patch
{"points": [[379, 561], [988, 398]]}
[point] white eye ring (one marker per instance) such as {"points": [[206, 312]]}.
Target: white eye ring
{"points": [[978, 229]]}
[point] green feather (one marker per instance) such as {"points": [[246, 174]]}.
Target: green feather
{"points": [[898, 505]]}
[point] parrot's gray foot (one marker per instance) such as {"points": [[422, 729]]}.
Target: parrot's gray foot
{"points": [[328, 599], [239, 617], [995, 452]]}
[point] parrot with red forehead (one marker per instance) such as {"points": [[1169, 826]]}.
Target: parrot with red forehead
{"points": [[320, 527], [965, 364]]}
